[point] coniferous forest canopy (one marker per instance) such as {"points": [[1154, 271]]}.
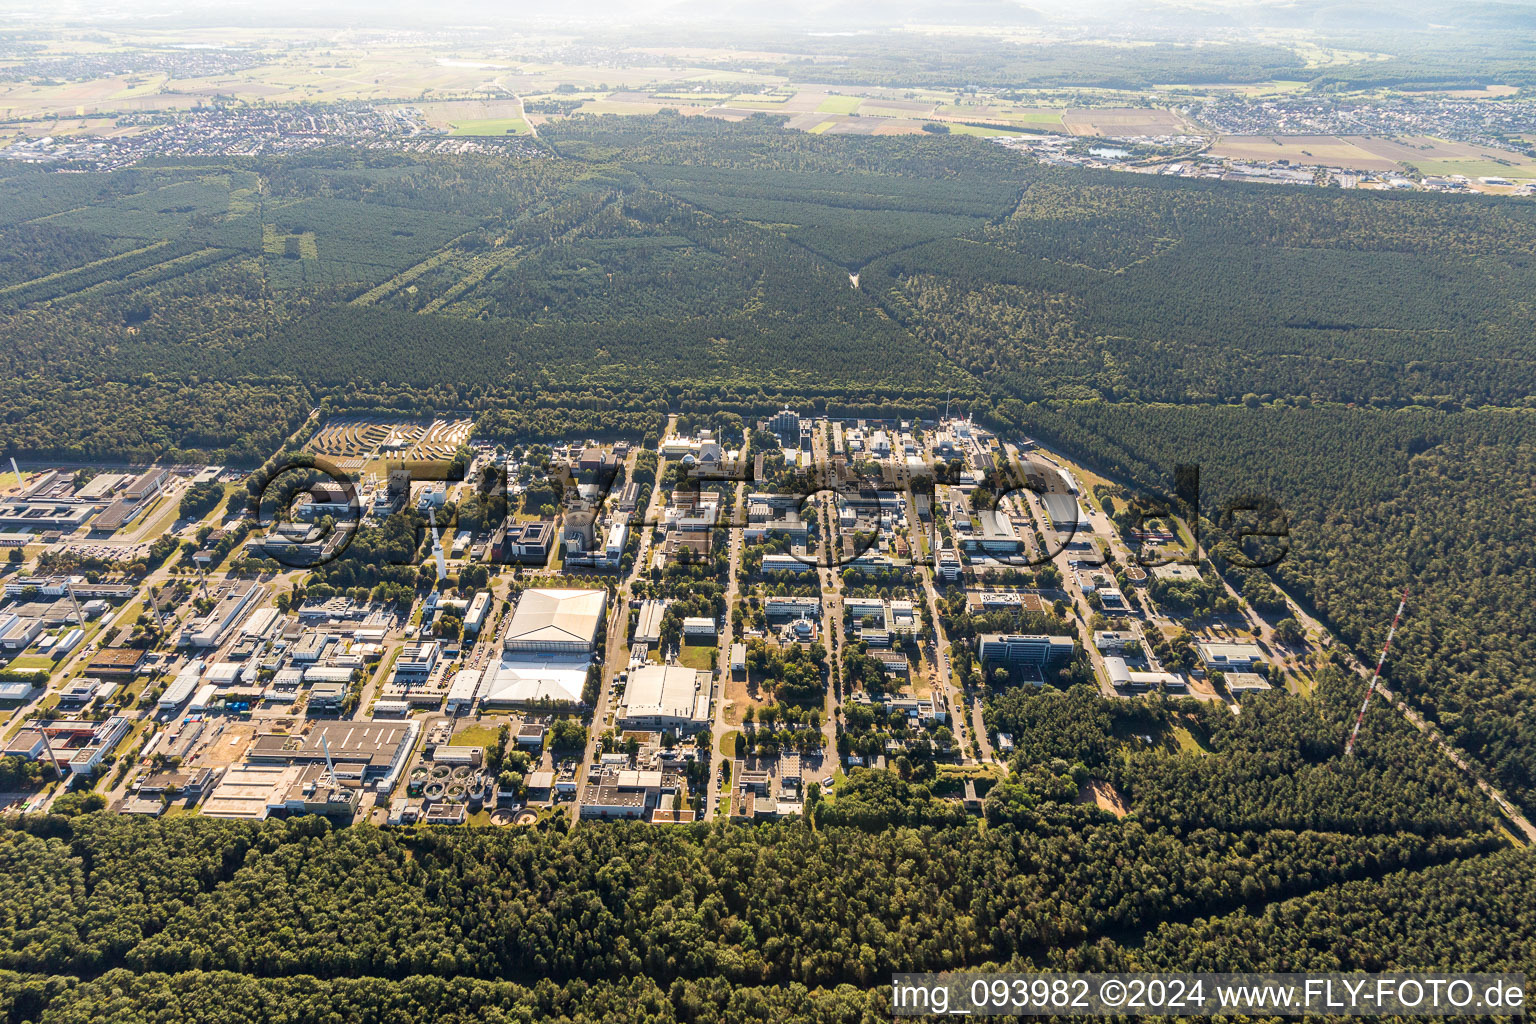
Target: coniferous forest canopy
{"points": [[1363, 358]]}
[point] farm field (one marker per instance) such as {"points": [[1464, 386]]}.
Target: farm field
{"points": [[1437, 156], [839, 104], [460, 116], [1124, 121], [1333, 150], [1367, 153]]}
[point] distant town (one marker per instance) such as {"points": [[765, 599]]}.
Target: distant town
{"points": [[93, 111]]}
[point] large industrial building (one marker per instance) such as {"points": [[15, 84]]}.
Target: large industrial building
{"points": [[546, 649], [665, 697], [372, 752], [556, 622], [530, 680], [232, 604], [1065, 513]]}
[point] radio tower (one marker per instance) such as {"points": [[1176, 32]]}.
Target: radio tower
{"points": [[1370, 691]]}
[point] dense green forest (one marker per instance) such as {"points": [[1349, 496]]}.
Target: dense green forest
{"points": [[1253, 845], [1304, 861]]}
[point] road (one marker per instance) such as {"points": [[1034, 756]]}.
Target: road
{"points": [[718, 679], [965, 716], [616, 648]]}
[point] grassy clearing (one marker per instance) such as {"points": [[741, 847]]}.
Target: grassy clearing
{"points": [[31, 663], [1188, 742]]}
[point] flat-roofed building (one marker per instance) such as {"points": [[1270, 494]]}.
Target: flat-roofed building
{"points": [[648, 627], [665, 697], [65, 517], [115, 662], [627, 793], [1229, 657], [1037, 650], [117, 515], [698, 626], [1111, 641], [327, 697], [996, 535], [369, 751], [551, 621], [17, 632], [147, 484], [778, 609], [479, 608], [463, 691], [417, 661], [230, 607], [1244, 684], [787, 563], [525, 543]]}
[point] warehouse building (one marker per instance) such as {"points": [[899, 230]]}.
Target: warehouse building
{"points": [[665, 697], [549, 621]]}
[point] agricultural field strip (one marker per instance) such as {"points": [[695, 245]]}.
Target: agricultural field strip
{"points": [[481, 268], [191, 261], [409, 274], [105, 261]]}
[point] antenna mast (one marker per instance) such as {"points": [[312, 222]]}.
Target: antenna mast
{"points": [[1370, 691], [69, 586], [154, 606]]}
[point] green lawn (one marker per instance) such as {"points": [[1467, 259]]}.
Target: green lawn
{"points": [[728, 744], [492, 126], [696, 655], [474, 736]]}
